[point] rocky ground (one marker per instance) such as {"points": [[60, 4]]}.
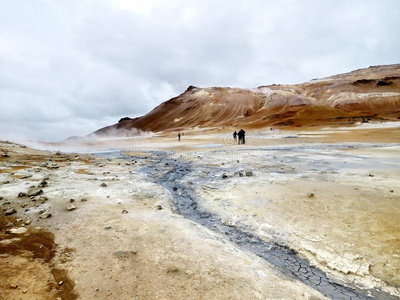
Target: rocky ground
{"points": [[202, 219]]}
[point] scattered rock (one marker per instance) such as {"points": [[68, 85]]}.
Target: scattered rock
{"points": [[71, 207], [19, 230], [26, 176], [27, 222], [44, 183], [391, 191], [310, 195], [103, 185], [249, 173], [108, 227], [224, 176], [34, 192], [124, 211], [45, 215], [71, 200], [53, 166], [84, 200], [10, 211], [159, 207], [21, 194], [371, 175], [43, 198]]}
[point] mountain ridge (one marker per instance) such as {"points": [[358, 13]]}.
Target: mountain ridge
{"points": [[366, 94]]}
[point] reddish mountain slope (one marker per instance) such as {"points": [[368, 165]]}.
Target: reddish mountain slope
{"points": [[372, 93]]}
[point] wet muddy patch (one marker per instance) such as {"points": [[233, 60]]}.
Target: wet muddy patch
{"points": [[27, 268]]}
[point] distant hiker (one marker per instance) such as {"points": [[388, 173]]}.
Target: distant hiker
{"points": [[179, 136], [235, 136], [242, 136]]}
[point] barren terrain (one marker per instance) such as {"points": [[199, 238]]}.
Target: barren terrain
{"points": [[300, 214]]}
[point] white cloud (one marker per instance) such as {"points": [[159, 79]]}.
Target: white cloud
{"points": [[71, 67]]}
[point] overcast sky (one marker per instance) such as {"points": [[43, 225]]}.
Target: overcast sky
{"points": [[69, 67]]}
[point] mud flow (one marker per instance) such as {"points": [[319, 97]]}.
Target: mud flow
{"points": [[284, 259]]}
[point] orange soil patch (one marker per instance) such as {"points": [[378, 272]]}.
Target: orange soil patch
{"points": [[26, 269]]}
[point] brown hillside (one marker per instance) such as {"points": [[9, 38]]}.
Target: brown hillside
{"points": [[366, 94]]}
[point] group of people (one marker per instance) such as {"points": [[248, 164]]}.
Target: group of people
{"points": [[239, 137]]}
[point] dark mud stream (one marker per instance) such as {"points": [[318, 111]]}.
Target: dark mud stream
{"points": [[170, 173]]}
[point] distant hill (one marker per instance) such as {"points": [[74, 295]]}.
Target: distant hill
{"points": [[366, 94]]}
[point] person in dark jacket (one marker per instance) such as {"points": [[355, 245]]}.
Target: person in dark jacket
{"points": [[242, 136], [235, 136]]}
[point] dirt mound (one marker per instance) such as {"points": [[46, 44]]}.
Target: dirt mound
{"points": [[366, 94]]}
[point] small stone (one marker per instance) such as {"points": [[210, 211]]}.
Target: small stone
{"points": [[371, 175], [34, 192], [27, 222], [45, 215], [108, 227], [19, 230], [43, 198], [60, 283], [10, 211], [53, 166], [14, 286], [71, 200], [84, 200], [249, 173], [18, 220], [25, 291], [124, 211], [21, 194], [71, 207], [103, 185], [159, 207], [310, 195], [391, 191], [43, 183], [224, 176]]}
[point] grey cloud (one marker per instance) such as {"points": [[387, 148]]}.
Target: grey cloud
{"points": [[71, 67]]}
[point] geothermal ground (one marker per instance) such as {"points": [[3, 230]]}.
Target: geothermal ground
{"points": [[310, 214]]}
